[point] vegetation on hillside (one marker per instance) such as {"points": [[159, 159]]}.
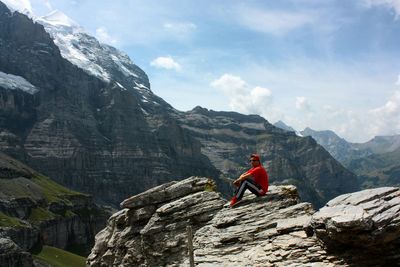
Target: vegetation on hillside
{"points": [[59, 258]]}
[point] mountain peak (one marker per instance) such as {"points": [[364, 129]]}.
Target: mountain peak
{"points": [[284, 126], [58, 18]]}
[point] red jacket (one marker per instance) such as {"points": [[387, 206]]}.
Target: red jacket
{"points": [[260, 176]]}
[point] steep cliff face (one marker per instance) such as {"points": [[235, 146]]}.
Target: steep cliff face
{"points": [[229, 138], [106, 136], [36, 211], [359, 229]]}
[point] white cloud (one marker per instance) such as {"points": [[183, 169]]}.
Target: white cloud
{"points": [[395, 4], [166, 63], [385, 120], [230, 84], [358, 126], [180, 27], [398, 80], [103, 36], [273, 22], [302, 104], [243, 98]]}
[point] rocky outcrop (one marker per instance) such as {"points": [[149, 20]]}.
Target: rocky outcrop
{"points": [[274, 230], [11, 255], [151, 230], [369, 218]]}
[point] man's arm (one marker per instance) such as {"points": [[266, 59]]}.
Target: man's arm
{"points": [[242, 177]]}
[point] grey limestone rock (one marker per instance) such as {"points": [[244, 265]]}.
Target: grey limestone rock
{"points": [[368, 218], [273, 230], [151, 229]]}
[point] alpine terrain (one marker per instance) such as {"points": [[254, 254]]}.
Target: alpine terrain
{"points": [[375, 162], [83, 113]]}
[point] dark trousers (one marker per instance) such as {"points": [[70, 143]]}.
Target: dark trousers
{"points": [[248, 184]]}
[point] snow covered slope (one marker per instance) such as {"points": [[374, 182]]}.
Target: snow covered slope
{"points": [[86, 52], [13, 82]]}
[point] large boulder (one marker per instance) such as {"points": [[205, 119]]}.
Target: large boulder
{"points": [[368, 218]]}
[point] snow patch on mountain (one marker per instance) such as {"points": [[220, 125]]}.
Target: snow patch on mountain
{"points": [[120, 86], [120, 63], [71, 40], [140, 86], [57, 18], [86, 52], [15, 82]]}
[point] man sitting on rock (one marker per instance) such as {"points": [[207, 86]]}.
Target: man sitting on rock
{"points": [[255, 179]]}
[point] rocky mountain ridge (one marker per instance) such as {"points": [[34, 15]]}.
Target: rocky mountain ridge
{"points": [[375, 162], [357, 229], [345, 151]]}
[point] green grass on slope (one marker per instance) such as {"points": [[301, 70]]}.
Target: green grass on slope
{"points": [[53, 191], [8, 221], [59, 258]]}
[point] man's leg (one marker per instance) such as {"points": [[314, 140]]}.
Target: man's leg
{"points": [[248, 184]]}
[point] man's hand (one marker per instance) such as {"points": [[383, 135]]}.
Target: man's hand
{"points": [[236, 182]]}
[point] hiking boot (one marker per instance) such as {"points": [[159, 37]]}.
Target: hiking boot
{"points": [[233, 202]]}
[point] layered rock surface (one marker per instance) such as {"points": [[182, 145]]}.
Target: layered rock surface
{"points": [[369, 218], [107, 137], [274, 230], [151, 230]]}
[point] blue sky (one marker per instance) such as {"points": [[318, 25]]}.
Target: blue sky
{"points": [[323, 64]]}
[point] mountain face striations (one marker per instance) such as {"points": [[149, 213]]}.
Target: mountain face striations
{"points": [[95, 135], [83, 113]]}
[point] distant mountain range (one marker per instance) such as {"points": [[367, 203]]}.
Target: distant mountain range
{"points": [[284, 126], [83, 113], [376, 162]]}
